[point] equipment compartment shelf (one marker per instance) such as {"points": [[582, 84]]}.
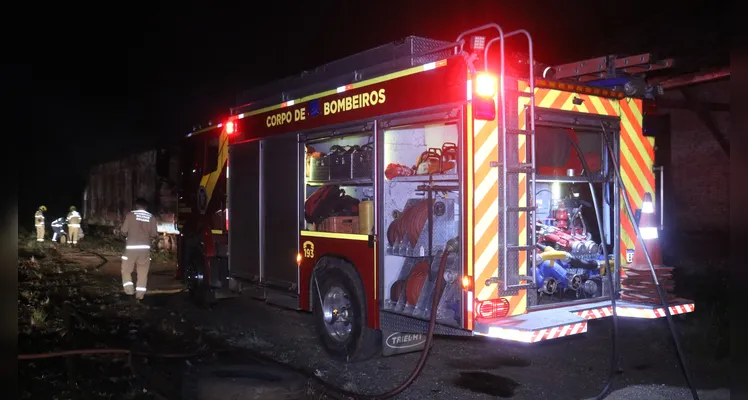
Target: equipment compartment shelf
{"points": [[343, 182], [427, 178]]}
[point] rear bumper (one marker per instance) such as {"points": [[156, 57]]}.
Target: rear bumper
{"points": [[536, 326]]}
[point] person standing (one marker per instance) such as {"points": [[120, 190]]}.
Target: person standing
{"points": [[74, 225], [140, 228], [39, 223], [57, 228]]}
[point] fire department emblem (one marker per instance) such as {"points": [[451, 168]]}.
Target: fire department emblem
{"points": [[308, 249], [202, 200]]}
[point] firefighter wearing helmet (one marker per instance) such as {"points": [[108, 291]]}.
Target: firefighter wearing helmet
{"points": [[74, 225], [140, 228], [39, 223]]}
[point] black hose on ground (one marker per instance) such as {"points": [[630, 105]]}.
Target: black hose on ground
{"points": [[608, 272], [451, 247], [660, 292]]}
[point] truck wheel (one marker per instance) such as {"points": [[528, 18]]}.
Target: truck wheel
{"points": [[340, 315]]}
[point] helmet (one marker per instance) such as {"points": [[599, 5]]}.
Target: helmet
{"points": [[43, 208], [72, 208]]}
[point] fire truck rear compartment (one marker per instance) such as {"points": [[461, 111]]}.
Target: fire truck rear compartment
{"points": [[565, 216]]}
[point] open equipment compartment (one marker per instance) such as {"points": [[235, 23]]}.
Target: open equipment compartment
{"points": [[343, 162], [565, 216], [422, 166]]}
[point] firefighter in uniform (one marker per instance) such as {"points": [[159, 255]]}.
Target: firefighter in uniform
{"points": [[57, 228], [74, 225], [39, 222], [140, 228]]}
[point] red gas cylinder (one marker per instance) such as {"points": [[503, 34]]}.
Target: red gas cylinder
{"points": [[561, 215]]}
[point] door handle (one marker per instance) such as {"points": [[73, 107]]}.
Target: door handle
{"points": [[661, 202]]}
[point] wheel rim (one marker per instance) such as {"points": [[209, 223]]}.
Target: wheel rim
{"points": [[337, 313]]}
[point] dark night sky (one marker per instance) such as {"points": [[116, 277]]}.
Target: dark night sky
{"points": [[107, 82]]}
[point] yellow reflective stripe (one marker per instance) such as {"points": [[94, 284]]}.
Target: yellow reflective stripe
{"points": [[333, 235], [216, 231], [368, 82]]}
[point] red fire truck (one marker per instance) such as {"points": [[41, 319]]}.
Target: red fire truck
{"points": [[351, 185]]}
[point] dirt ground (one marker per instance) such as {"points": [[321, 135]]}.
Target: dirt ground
{"points": [[70, 299]]}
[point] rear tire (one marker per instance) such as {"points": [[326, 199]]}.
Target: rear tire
{"points": [[343, 333]]}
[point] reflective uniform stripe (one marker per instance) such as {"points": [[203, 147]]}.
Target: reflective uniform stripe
{"points": [[124, 257], [127, 284], [74, 225], [138, 246], [140, 289]]}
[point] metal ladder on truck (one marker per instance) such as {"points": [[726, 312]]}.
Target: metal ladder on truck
{"points": [[512, 168]]}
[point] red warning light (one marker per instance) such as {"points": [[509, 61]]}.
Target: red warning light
{"points": [[230, 127], [485, 85]]}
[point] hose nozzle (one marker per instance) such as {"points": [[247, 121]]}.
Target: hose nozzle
{"points": [[453, 245]]}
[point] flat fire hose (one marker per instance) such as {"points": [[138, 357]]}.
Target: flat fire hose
{"points": [[451, 247], [660, 293]]}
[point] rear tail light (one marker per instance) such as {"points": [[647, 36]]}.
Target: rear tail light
{"points": [[494, 308], [230, 127]]}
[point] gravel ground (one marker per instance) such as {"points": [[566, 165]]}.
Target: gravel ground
{"points": [[572, 368], [476, 368]]}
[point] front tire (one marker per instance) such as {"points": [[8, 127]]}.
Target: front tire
{"points": [[340, 317]]}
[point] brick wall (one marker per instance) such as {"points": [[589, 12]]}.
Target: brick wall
{"points": [[698, 194]]}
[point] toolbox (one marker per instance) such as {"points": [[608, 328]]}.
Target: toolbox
{"points": [[319, 169], [352, 163], [339, 225]]}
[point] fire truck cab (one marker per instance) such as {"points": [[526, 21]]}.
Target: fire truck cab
{"points": [[345, 190]]}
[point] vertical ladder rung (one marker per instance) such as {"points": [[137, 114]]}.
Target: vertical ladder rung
{"points": [[521, 209], [519, 132], [524, 168]]}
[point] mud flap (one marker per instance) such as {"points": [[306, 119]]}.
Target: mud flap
{"points": [[394, 343]]}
